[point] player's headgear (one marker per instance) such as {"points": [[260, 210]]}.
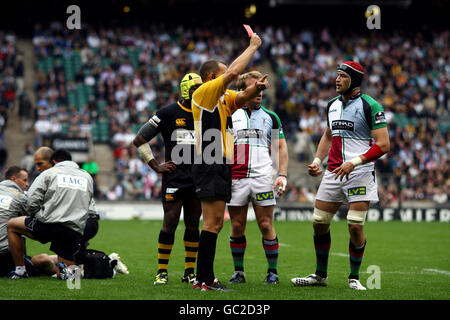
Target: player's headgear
{"points": [[355, 71], [187, 82]]}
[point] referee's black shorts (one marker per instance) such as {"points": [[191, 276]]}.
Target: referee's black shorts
{"points": [[65, 242], [212, 181]]}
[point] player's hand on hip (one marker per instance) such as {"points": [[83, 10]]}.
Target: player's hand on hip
{"points": [[166, 167], [344, 170], [314, 170], [255, 41], [280, 185]]}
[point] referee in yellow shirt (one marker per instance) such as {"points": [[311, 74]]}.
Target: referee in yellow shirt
{"points": [[212, 105]]}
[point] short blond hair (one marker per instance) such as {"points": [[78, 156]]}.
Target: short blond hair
{"points": [[240, 83]]}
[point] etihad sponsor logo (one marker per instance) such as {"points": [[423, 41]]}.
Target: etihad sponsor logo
{"points": [[250, 133], [357, 191], [343, 125]]}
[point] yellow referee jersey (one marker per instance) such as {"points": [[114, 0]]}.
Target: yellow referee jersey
{"points": [[212, 106]]}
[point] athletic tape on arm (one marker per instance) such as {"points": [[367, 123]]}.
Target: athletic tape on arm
{"points": [[146, 152]]}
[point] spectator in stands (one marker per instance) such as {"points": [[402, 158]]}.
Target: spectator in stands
{"points": [[25, 112], [27, 161], [19, 74], [3, 156], [134, 73]]}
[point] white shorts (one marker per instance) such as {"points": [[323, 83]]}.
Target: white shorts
{"points": [[361, 186], [259, 190]]}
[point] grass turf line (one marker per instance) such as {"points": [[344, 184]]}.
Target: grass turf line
{"points": [[402, 251]]}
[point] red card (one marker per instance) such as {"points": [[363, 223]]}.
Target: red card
{"points": [[249, 30]]}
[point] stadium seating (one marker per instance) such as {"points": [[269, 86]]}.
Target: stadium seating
{"points": [[304, 62]]}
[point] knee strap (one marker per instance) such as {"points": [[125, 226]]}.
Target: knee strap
{"points": [[322, 217], [356, 217]]}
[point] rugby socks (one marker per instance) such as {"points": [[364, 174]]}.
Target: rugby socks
{"points": [[165, 245], [237, 246], [20, 270], [191, 238], [322, 244], [356, 255], [206, 254], [271, 250]]}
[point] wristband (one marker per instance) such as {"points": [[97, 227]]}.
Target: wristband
{"points": [[356, 161], [374, 153], [146, 152], [317, 161], [282, 175]]}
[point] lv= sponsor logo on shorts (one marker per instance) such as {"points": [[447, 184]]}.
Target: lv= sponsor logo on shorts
{"points": [[357, 191], [264, 196]]}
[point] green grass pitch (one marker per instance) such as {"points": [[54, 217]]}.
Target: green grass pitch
{"points": [[413, 258]]}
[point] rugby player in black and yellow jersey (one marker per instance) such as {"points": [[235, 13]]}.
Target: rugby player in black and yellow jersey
{"points": [[176, 125], [212, 105]]}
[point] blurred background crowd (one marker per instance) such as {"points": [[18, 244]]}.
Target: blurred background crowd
{"points": [[105, 82]]}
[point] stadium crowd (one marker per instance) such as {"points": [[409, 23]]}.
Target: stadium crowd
{"points": [[106, 82], [407, 72], [11, 84]]}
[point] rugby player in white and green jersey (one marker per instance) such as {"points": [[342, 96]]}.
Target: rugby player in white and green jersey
{"points": [[355, 137], [258, 137]]}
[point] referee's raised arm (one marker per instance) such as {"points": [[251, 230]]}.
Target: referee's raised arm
{"points": [[240, 63]]}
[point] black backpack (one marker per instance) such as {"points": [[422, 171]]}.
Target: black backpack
{"points": [[97, 265]]}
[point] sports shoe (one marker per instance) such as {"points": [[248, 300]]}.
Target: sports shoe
{"points": [[15, 276], [64, 272], [120, 266], [311, 280], [237, 277], [214, 286], [188, 278], [272, 278], [196, 284], [355, 284], [161, 278]]}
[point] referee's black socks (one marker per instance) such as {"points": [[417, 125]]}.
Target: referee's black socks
{"points": [[205, 259]]}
